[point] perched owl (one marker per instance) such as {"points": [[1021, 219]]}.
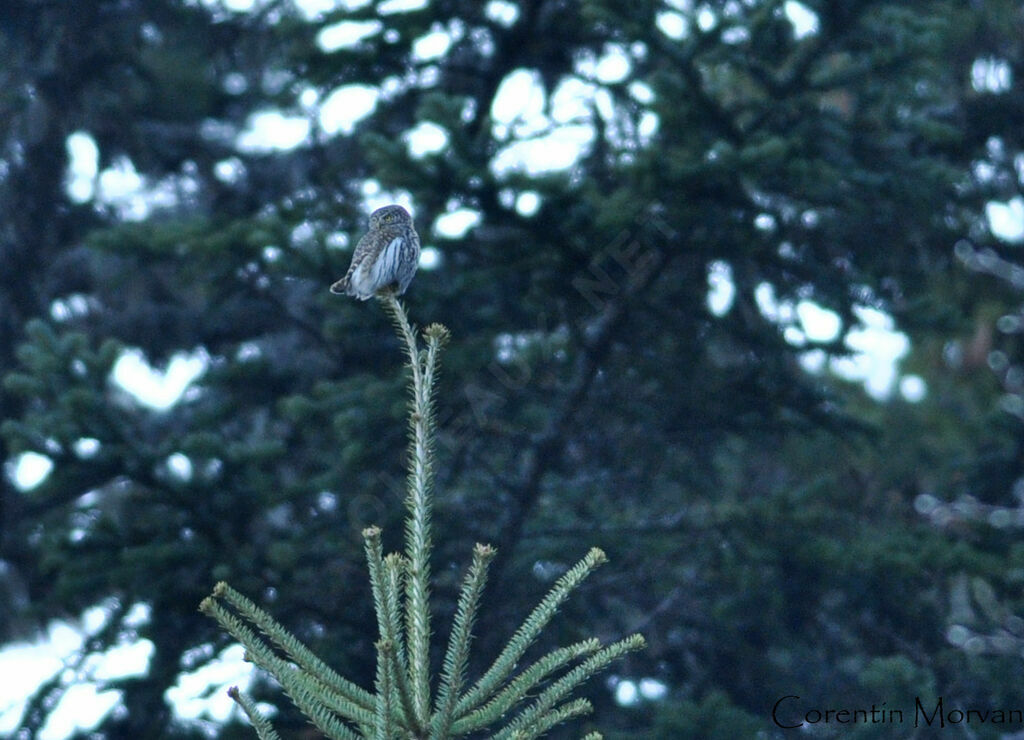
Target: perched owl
{"points": [[386, 257]]}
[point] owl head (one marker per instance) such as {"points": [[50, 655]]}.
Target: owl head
{"points": [[390, 216]]}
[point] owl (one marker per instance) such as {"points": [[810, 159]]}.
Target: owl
{"points": [[386, 257]]}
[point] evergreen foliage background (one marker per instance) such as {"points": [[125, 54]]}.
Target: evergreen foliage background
{"points": [[771, 531]]}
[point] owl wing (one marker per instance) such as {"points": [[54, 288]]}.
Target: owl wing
{"points": [[359, 255], [410, 261]]}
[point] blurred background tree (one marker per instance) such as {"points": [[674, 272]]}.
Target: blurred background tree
{"points": [[633, 212]]}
